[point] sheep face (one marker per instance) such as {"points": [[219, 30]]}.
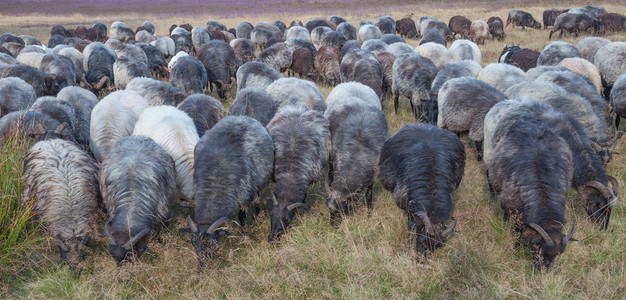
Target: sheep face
{"points": [[71, 249], [54, 84], [281, 218], [124, 247], [206, 239], [599, 201], [546, 245], [427, 237]]}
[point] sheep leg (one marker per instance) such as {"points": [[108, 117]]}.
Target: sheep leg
{"points": [[411, 233], [616, 122], [211, 86], [395, 102], [479, 150], [414, 111], [491, 192], [242, 217], [331, 172], [368, 199], [157, 234]]}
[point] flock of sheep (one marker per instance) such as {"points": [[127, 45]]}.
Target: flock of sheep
{"points": [[541, 125]]}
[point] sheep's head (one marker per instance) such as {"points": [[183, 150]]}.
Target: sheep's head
{"points": [[281, 216], [54, 84], [71, 248], [205, 238], [599, 200], [428, 236], [339, 203], [223, 89], [125, 246], [546, 244]]}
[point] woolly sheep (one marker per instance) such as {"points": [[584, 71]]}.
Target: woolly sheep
{"points": [[348, 30], [398, 49], [205, 111], [16, 94], [244, 29], [364, 67], [611, 61], [278, 56], [588, 47], [356, 90], [437, 53], [109, 122], [83, 102], [165, 45], [501, 76], [294, 91], [373, 45], [368, 32], [126, 68], [479, 32], [465, 50], [298, 32], [256, 73], [618, 98], [412, 76], [254, 102], [555, 52], [44, 84], [221, 64], [244, 49], [120, 31], [386, 24], [156, 92], [199, 36], [189, 75]]}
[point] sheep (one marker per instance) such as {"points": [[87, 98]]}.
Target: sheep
{"points": [[590, 10], [460, 25], [422, 166], [43, 84], [533, 195], [465, 50], [121, 31], [221, 64], [205, 111], [502, 76], [60, 30], [386, 60], [398, 49], [521, 18], [590, 179], [464, 68], [364, 22], [404, 27], [109, 122], [430, 23], [522, 58], [311, 24], [317, 32], [60, 66], [131, 99], [189, 75], [390, 38], [76, 57], [294, 91], [298, 43], [550, 14], [555, 52], [575, 23], [611, 61], [55, 40], [263, 37], [32, 59], [462, 106], [386, 24], [33, 48], [496, 28], [149, 26], [278, 56], [358, 131], [412, 76], [16, 94], [156, 61], [11, 38], [100, 32], [235, 162], [32, 125], [156, 92], [479, 32], [62, 181], [336, 20], [354, 44], [298, 32], [332, 39], [348, 31], [368, 32], [437, 53], [301, 139], [585, 68], [144, 37], [137, 180], [83, 102], [182, 42], [175, 58], [277, 32], [244, 49], [6, 59], [612, 22], [199, 37], [126, 68], [374, 45], [98, 61], [175, 131], [214, 25], [433, 36], [353, 89], [243, 30], [256, 73], [254, 102], [281, 25], [618, 98], [165, 45], [303, 63], [364, 67], [60, 110], [3, 111]]}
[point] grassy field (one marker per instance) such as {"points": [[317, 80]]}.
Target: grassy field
{"points": [[365, 256]]}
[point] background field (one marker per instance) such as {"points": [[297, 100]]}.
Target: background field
{"points": [[365, 257]]}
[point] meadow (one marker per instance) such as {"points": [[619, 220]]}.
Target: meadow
{"points": [[366, 256]]}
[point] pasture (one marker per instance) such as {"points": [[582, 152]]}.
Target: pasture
{"points": [[366, 256]]}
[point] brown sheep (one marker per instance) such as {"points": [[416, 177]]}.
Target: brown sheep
{"points": [[479, 32], [327, 65], [406, 27], [303, 63], [550, 14], [612, 22], [386, 59], [496, 28], [460, 25]]}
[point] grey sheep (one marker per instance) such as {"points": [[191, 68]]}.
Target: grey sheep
{"points": [[590, 10], [462, 106], [126, 68], [199, 37], [368, 32], [433, 36], [221, 64], [30, 40], [214, 25], [16, 94], [336, 20], [364, 67], [109, 122], [294, 91], [386, 24], [189, 75], [398, 49], [618, 98], [332, 39], [32, 125], [412, 77], [130, 50], [156, 61], [165, 45], [299, 43], [120, 31], [205, 111], [6, 59], [502, 76], [234, 163], [437, 53], [150, 26], [297, 32], [58, 109], [44, 84], [353, 89], [98, 61], [77, 60], [588, 47], [391, 38], [144, 36], [182, 42], [317, 32], [243, 30], [263, 37], [428, 23], [156, 92], [62, 181], [575, 23], [301, 139], [611, 61], [358, 131], [422, 166], [244, 49], [61, 66], [312, 24], [277, 31], [374, 45], [464, 68], [278, 56], [555, 52], [256, 73], [521, 18], [137, 181], [353, 44], [254, 102], [348, 30], [83, 102]]}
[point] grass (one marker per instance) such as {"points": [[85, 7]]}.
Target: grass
{"points": [[365, 257]]}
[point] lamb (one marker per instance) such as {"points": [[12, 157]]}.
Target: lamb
{"points": [[364, 67], [386, 24], [433, 36], [205, 111], [437, 53], [156, 92], [502, 76], [121, 31], [303, 63], [496, 28], [221, 64], [32, 125], [62, 180], [575, 23], [358, 131], [460, 25], [412, 77], [404, 27], [465, 50], [98, 61], [301, 139], [175, 131], [462, 105], [137, 180], [189, 75], [521, 18], [550, 14], [368, 32], [479, 32], [422, 166], [256, 73], [236, 147], [254, 102], [243, 30], [555, 52], [126, 68], [244, 49], [16, 94], [43, 84], [294, 91], [83, 102], [278, 56], [348, 31]]}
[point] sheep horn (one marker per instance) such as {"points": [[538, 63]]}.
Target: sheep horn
{"points": [[274, 200], [136, 238], [596, 147], [427, 224], [543, 234], [570, 235], [603, 189], [217, 224], [61, 244], [108, 234], [60, 128], [448, 230], [614, 185], [295, 206], [192, 225]]}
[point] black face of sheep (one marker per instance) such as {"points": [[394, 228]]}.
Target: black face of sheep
{"points": [[206, 239], [124, 247], [71, 250], [281, 217], [426, 236], [547, 244], [599, 200]]}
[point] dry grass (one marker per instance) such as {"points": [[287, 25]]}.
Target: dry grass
{"points": [[365, 257]]}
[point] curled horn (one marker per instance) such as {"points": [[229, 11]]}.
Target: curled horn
{"points": [[295, 206], [217, 224], [427, 224], [60, 128], [136, 238], [603, 189], [61, 244], [192, 225], [274, 200], [570, 235], [448, 230], [108, 234], [614, 185], [543, 234]]}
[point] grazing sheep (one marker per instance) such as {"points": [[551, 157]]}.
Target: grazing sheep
{"points": [[433, 36], [317, 32], [303, 63], [144, 36], [60, 66], [166, 45], [278, 56], [32, 125], [62, 181], [336, 20], [221, 64], [437, 53], [32, 59], [555, 52], [16, 94], [76, 57], [521, 18], [332, 39], [348, 31], [364, 67], [156, 92], [98, 61], [412, 76], [358, 131], [263, 37], [180, 30], [374, 45], [430, 23], [386, 24], [148, 25], [243, 30], [83, 102], [585, 68], [575, 23], [464, 68], [294, 91], [175, 131], [390, 38], [189, 75], [463, 103], [234, 163], [612, 22], [109, 122], [460, 25], [502, 76], [422, 166], [611, 61], [58, 109], [156, 61], [550, 14], [131, 99], [465, 50], [6, 59], [522, 58], [398, 49], [214, 25], [297, 32], [254, 102], [277, 32], [137, 180], [368, 32], [298, 43], [205, 111], [244, 49], [256, 73], [199, 37], [618, 98], [301, 139], [312, 24], [43, 84], [590, 10], [126, 68], [121, 31], [386, 60], [479, 32], [353, 89], [60, 30], [354, 44], [496, 28], [404, 27]]}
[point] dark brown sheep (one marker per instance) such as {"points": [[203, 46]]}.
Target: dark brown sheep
{"points": [[406, 28], [612, 22], [496, 28], [460, 25], [303, 63], [550, 14], [187, 26], [327, 65], [386, 59]]}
